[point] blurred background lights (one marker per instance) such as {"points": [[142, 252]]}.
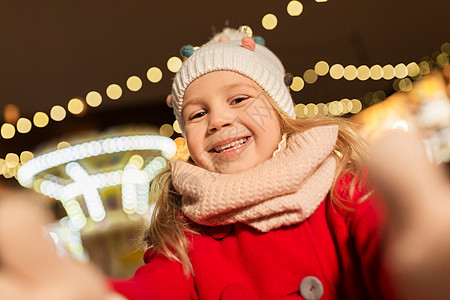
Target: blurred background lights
{"points": [[424, 68], [134, 83], [75, 106], [62, 145], [23, 125], [154, 74], [388, 72], [166, 130], [321, 68], [174, 64], [297, 84], [40, 119], [336, 71], [442, 59], [376, 72], [26, 156], [310, 76], [12, 160], [356, 106], [294, 8], [300, 110], [363, 72], [176, 127], [405, 85], [400, 71], [7, 131], [269, 21], [93, 99], [413, 69], [11, 113], [136, 160], [350, 72], [57, 113], [114, 91]]}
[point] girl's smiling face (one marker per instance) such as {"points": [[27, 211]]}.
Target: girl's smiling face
{"points": [[230, 125]]}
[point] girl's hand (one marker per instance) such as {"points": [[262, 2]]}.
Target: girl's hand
{"points": [[417, 198], [30, 267]]}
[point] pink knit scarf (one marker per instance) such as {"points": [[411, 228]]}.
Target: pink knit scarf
{"points": [[283, 190]]}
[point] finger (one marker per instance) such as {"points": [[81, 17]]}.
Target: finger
{"points": [[24, 250]]}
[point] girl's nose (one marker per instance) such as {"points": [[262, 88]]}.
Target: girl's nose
{"points": [[219, 120]]}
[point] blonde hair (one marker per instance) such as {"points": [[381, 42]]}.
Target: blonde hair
{"points": [[166, 233]]}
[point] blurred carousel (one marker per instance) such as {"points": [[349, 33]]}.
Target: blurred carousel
{"points": [[98, 185]]}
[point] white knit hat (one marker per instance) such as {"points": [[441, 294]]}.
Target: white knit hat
{"points": [[234, 51]]}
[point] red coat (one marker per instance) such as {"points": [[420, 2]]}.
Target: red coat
{"points": [[334, 254]]}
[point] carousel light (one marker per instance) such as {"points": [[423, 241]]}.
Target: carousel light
{"points": [[7, 131], [93, 99], [269, 21], [23, 125], [174, 64], [114, 91], [154, 74]]}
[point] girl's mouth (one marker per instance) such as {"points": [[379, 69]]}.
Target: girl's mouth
{"points": [[234, 145]]}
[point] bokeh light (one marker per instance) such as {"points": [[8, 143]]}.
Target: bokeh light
{"points": [[297, 84], [40, 119], [321, 68], [7, 131], [174, 64], [114, 91], [166, 130], [57, 113], [337, 71], [75, 106], [154, 74], [134, 83], [269, 21], [294, 8], [93, 99], [23, 125], [310, 76]]}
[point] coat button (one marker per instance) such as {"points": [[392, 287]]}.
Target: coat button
{"points": [[235, 291], [311, 288]]}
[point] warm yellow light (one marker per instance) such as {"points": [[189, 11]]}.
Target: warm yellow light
{"points": [[134, 83], [321, 0], [388, 72], [445, 47], [336, 71], [310, 76], [335, 108], [40, 119], [11, 113], [401, 71], [62, 145], [413, 69], [405, 85], [166, 130], [363, 72], [75, 106], [3, 166], [297, 84], [154, 74], [26, 156], [323, 109], [321, 68], [269, 21], [176, 127], [23, 125], [57, 113], [376, 72], [300, 110], [350, 72], [356, 106], [12, 160], [294, 8], [136, 160], [311, 110], [114, 91], [174, 64], [346, 105], [93, 99], [424, 68], [442, 59], [7, 131]]}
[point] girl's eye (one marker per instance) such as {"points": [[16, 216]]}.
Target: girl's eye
{"points": [[197, 115], [239, 100]]}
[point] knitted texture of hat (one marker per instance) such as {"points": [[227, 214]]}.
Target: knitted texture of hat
{"points": [[260, 65], [284, 190]]}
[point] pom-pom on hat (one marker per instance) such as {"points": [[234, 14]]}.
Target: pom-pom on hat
{"points": [[233, 50]]}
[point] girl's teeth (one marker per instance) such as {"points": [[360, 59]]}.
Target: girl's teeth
{"points": [[231, 146]]}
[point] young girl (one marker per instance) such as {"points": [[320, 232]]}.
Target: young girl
{"points": [[268, 207]]}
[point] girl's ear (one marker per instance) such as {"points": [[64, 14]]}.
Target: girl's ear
{"points": [[169, 101]]}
